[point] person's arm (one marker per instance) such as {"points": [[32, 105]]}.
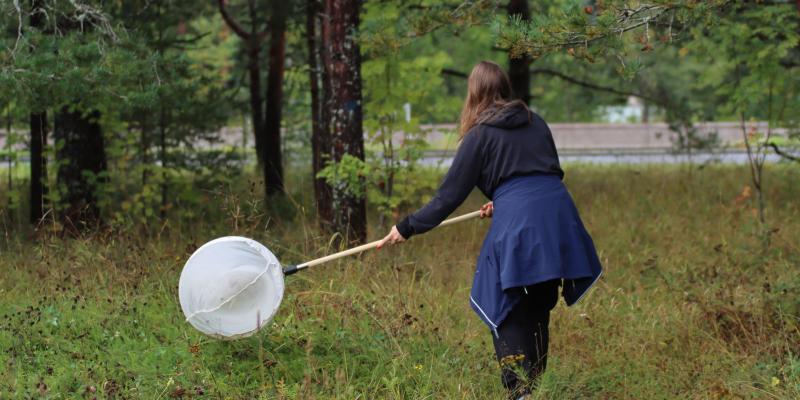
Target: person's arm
{"points": [[456, 186]]}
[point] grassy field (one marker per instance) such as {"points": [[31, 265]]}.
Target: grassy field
{"points": [[690, 306]]}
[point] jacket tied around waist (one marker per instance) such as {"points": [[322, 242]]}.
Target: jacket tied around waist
{"points": [[536, 235]]}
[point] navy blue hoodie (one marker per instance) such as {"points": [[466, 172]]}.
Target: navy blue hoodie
{"points": [[514, 142]]}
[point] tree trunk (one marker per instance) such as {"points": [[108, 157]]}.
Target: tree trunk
{"points": [[11, 161], [645, 111], [273, 165], [162, 131], [38, 124], [252, 41], [81, 162], [256, 104], [320, 136], [38, 139], [518, 67], [343, 71]]}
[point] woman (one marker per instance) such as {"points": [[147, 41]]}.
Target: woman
{"points": [[536, 243]]}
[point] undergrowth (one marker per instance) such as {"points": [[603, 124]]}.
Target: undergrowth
{"points": [[689, 306]]}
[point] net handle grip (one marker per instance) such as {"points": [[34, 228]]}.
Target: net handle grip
{"points": [[355, 250]]}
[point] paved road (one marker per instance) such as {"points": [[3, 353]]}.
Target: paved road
{"points": [[443, 160], [620, 136], [567, 135], [594, 143]]}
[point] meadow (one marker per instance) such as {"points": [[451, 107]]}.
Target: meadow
{"points": [[691, 305]]}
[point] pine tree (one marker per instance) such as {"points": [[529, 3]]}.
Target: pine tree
{"points": [[273, 164], [342, 63], [320, 134]]}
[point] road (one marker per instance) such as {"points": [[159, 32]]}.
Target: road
{"points": [[585, 142]]}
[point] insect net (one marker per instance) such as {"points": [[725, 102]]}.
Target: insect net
{"points": [[231, 287]]}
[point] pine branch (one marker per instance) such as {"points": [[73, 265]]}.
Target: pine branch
{"points": [[19, 27], [575, 81], [784, 154], [183, 43], [419, 20], [462, 13], [537, 38], [593, 86], [235, 26], [452, 72]]}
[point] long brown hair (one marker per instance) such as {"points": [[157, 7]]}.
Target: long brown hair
{"points": [[488, 93]]}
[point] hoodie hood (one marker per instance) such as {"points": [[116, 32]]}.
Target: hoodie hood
{"points": [[512, 116]]}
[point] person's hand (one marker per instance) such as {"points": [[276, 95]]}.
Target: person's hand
{"points": [[487, 210], [392, 238]]}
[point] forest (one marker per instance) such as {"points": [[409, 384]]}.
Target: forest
{"points": [[132, 132]]}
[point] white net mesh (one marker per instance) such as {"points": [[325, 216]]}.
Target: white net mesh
{"points": [[231, 287]]}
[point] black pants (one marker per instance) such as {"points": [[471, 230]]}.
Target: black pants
{"points": [[522, 338]]}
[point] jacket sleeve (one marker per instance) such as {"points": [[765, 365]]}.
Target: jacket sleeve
{"points": [[459, 181]]}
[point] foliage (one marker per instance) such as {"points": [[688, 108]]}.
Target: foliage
{"points": [[396, 141], [747, 61], [590, 32], [388, 27], [348, 175], [131, 63], [672, 54], [171, 71], [753, 70]]}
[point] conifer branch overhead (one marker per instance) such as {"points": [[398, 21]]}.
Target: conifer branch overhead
{"points": [[572, 28], [417, 19], [235, 26]]}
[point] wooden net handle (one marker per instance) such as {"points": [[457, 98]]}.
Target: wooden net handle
{"points": [[371, 245]]}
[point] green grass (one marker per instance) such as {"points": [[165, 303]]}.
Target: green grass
{"points": [[690, 306]]}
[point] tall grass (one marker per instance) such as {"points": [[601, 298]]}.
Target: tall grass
{"points": [[689, 306]]}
